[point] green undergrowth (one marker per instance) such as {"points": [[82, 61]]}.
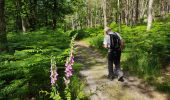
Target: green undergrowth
{"points": [[25, 70]]}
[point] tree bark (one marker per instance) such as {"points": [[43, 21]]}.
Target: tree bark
{"points": [[104, 13], [72, 22], [137, 11], [33, 14], [18, 23], [54, 14], [119, 15], [127, 12], [45, 3], [150, 17], [3, 36], [24, 24]]}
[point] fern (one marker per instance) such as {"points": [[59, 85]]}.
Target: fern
{"points": [[12, 86]]}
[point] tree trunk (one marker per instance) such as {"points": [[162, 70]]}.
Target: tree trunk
{"points": [[119, 15], [143, 10], [127, 13], [91, 19], [18, 23], [96, 12], [45, 13], [104, 13], [33, 14], [72, 22], [137, 11], [24, 24], [150, 17], [54, 15], [3, 36]]}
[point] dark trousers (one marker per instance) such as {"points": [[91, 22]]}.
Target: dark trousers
{"points": [[113, 57]]}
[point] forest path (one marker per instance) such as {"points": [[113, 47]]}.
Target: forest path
{"points": [[98, 87]]}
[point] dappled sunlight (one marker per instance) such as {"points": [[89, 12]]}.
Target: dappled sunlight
{"points": [[97, 84]]}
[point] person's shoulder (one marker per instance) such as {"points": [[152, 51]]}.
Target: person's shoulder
{"points": [[116, 32]]}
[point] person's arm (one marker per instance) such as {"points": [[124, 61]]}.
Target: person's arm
{"points": [[106, 42], [105, 46]]}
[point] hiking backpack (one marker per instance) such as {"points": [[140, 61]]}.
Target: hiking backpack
{"points": [[115, 42]]}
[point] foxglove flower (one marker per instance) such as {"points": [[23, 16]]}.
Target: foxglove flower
{"points": [[69, 63], [54, 74], [69, 69]]}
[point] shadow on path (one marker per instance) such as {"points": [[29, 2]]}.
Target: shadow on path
{"points": [[100, 88]]}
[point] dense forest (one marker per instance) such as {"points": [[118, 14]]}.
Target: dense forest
{"points": [[37, 34]]}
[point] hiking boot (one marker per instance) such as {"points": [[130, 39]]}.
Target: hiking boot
{"points": [[110, 78], [121, 79]]}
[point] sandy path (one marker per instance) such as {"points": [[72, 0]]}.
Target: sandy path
{"points": [[100, 88]]}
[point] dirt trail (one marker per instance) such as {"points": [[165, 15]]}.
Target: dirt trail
{"points": [[100, 88]]}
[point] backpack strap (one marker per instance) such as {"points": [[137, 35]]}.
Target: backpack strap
{"points": [[112, 41]]}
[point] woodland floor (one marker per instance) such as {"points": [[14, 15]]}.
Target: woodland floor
{"points": [[98, 87]]}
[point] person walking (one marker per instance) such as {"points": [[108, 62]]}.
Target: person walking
{"points": [[114, 43]]}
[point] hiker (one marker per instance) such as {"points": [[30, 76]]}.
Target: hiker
{"points": [[114, 43]]}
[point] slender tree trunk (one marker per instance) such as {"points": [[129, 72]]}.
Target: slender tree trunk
{"points": [[3, 36], [88, 16], [45, 13], [24, 24], [77, 24], [123, 17], [150, 17], [96, 12], [127, 12], [54, 15], [137, 11], [95, 20], [46, 18], [119, 15], [104, 13], [72, 22], [33, 14], [18, 23], [91, 19], [24, 16], [144, 9]]}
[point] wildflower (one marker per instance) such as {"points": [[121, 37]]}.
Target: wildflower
{"points": [[72, 60], [53, 71], [69, 69], [66, 81]]}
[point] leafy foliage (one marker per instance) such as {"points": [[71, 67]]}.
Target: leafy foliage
{"points": [[24, 72], [28, 66], [146, 51]]}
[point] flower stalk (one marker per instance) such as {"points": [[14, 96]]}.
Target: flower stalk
{"points": [[54, 74]]}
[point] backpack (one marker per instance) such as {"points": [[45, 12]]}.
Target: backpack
{"points": [[115, 42]]}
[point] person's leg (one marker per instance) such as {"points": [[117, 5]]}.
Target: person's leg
{"points": [[110, 64], [115, 62], [117, 59], [117, 70]]}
